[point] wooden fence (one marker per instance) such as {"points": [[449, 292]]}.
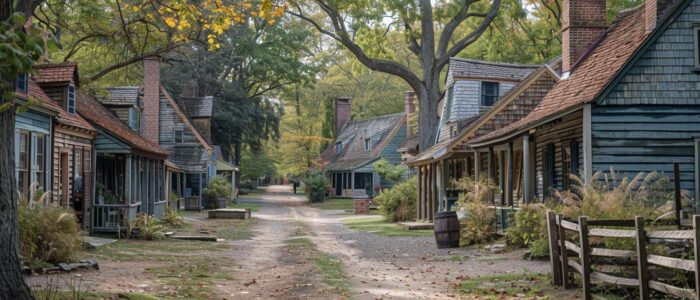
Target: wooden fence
{"points": [[563, 264]]}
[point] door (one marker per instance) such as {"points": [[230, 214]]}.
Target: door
{"points": [[338, 184], [63, 170]]}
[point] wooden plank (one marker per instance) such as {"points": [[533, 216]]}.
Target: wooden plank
{"points": [[671, 234], [613, 253], [677, 192], [614, 279], [564, 255], [619, 233], [585, 257], [553, 236], [672, 262], [571, 246], [569, 225], [575, 265], [696, 247], [642, 269], [672, 290]]}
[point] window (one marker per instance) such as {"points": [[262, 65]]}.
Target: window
{"points": [[489, 93], [696, 34], [448, 103], [39, 160], [338, 147], [23, 164], [368, 144], [134, 119], [565, 166], [78, 170], [548, 169], [23, 82], [70, 103], [179, 135]]}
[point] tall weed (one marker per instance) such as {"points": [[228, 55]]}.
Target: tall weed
{"points": [[50, 234], [479, 222]]}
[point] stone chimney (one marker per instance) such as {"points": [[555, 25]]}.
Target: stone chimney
{"points": [[409, 107], [343, 113], [151, 99], [583, 21], [654, 11]]}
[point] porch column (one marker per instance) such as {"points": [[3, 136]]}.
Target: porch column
{"points": [[127, 179], [502, 179], [587, 141], [511, 169], [419, 194], [527, 170], [477, 164], [489, 169], [439, 180]]}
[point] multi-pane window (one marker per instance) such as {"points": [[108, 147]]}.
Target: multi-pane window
{"points": [[489, 93], [39, 160], [338, 147], [78, 171], [23, 82], [179, 135], [23, 164], [368, 144], [134, 119], [70, 102]]}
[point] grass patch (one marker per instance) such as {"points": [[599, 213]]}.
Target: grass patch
{"points": [[456, 258], [254, 207], [190, 279], [332, 270], [234, 230], [505, 286], [380, 226], [335, 203], [134, 250]]}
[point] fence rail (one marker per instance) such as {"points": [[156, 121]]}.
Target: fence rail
{"points": [[562, 264], [108, 217]]}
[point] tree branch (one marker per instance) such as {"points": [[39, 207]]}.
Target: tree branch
{"points": [[452, 25], [128, 62], [471, 37]]}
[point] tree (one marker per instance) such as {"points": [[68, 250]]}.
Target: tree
{"points": [[360, 27], [19, 49]]}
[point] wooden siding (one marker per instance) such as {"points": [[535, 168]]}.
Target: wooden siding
{"points": [[32, 121], [664, 73], [67, 143], [122, 113], [189, 155], [390, 151], [558, 133], [56, 93], [646, 138], [105, 142]]}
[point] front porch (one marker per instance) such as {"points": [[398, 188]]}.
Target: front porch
{"points": [[356, 185]]}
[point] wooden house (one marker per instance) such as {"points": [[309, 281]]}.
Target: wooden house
{"points": [[33, 140], [129, 169], [359, 144], [470, 113], [627, 100], [152, 113], [73, 136]]}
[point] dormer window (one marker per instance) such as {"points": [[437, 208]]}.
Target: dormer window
{"points": [[696, 35], [368, 144], [179, 135], [134, 119], [23, 82], [338, 147], [489, 93], [70, 100]]}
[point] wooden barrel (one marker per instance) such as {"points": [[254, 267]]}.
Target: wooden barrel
{"points": [[446, 227]]}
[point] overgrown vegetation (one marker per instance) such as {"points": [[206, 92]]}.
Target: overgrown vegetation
{"points": [[529, 229], [219, 187], [388, 171], [147, 228], [505, 286], [379, 225], [398, 203], [315, 186], [49, 234], [171, 218], [479, 222]]}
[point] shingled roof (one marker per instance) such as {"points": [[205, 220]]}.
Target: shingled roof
{"points": [[34, 92], [65, 72], [197, 107], [353, 136], [92, 110], [471, 68], [590, 76], [120, 95]]}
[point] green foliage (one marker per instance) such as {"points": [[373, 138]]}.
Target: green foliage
{"points": [[219, 187], [171, 218], [149, 228], [315, 184], [49, 234], [390, 172], [529, 229], [479, 222], [256, 164], [399, 203]]}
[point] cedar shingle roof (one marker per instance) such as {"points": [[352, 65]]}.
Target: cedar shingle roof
{"points": [[92, 110], [36, 93], [66, 72], [471, 68], [120, 95], [591, 75]]}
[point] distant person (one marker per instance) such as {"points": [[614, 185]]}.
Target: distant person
{"points": [[295, 184]]}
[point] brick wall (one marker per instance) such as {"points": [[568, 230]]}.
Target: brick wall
{"points": [[343, 113], [151, 99], [582, 22], [362, 205]]}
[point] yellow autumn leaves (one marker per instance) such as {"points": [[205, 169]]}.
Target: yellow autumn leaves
{"points": [[214, 16]]}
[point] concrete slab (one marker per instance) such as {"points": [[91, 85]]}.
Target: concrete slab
{"points": [[229, 213], [416, 225]]}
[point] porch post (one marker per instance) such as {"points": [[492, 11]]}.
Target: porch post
{"points": [[502, 179], [587, 141], [489, 169], [127, 179], [420, 195], [477, 164], [439, 180], [527, 171], [511, 169]]}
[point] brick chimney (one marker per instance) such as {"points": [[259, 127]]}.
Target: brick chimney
{"points": [[654, 11], [343, 113], [583, 21], [409, 107], [151, 99]]}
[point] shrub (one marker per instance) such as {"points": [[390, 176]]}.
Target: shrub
{"points": [[315, 185], [399, 203], [479, 222], [386, 170], [529, 229], [148, 227], [218, 187], [50, 234], [171, 218]]}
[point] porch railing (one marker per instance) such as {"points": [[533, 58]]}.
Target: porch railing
{"points": [[109, 217], [360, 193], [193, 203], [159, 209]]}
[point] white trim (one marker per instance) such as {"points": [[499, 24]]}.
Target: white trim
{"points": [[587, 141]]}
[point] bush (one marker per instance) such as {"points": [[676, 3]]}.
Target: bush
{"points": [[479, 222], [315, 186], [171, 218], [219, 187], [529, 229], [148, 227], [399, 203], [386, 170], [49, 234]]}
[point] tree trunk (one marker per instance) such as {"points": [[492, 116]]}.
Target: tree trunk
{"points": [[428, 99], [12, 284]]}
